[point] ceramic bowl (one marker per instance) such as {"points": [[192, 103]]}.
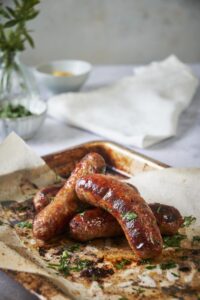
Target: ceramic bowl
{"points": [[25, 127], [78, 73]]}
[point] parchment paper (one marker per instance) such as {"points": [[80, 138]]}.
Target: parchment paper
{"points": [[22, 172]]}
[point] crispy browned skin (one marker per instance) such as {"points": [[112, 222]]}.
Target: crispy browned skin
{"points": [[94, 223], [128, 207], [98, 223], [44, 196], [168, 218], [53, 219]]}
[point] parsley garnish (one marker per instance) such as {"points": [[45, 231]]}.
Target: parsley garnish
{"points": [[158, 209], [174, 274], [196, 238], [129, 216], [1, 223], [122, 298], [145, 261], [174, 240], [73, 248], [120, 265], [168, 265], [25, 224], [188, 220], [150, 267]]}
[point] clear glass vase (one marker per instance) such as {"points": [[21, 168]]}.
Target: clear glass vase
{"points": [[15, 80]]}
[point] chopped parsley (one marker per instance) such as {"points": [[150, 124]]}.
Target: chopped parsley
{"points": [[145, 261], [1, 223], [120, 265], [129, 216], [25, 224], [65, 265], [150, 267], [174, 240], [168, 265], [73, 248], [196, 238], [175, 275], [158, 209], [122, 298], [12, 111], [188, 220]]}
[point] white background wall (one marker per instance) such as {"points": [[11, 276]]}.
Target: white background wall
{"points": [[116, 31]]}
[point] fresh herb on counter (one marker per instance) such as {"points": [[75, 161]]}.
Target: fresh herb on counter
{"points": [[120, 265], [188, 220], [11, 111], [25, 224], [174, 240], [168, 265], [129, 216]]}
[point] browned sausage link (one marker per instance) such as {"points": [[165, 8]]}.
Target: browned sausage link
{"points": [[94, 223], [168, 218], [97, 223], [128, 207], [53, 219], [44, 196]]}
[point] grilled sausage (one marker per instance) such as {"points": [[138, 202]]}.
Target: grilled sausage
{"points": [[44, 196], [53, 219], [94, 223], [97, 223], [128, 207], [168, 218]]}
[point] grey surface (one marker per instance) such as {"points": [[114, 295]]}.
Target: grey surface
{"points": [[183, 150], [116, 31], [12, 290]]}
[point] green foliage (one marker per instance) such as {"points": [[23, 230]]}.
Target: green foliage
{"points": [[13, 25]]}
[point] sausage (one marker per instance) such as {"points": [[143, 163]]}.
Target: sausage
{"points": [[53, 219], [44, 196], [128, 207], [97, 223], [168, 218], [94, 223]]}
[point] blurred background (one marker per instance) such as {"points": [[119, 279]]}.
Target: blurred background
{"points": [[116, 31]]}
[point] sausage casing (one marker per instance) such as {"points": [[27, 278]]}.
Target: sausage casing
{"points": [[128, 207], [98, 223], [53, 219]]}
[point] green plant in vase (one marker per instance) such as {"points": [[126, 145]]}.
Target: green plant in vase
{"points": [[14, 36]]}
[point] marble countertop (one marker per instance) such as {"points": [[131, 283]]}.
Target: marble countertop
{"points": [[183, 150]]}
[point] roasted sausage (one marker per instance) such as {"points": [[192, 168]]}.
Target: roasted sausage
{"points": [[53, 219], [168, 218], [94, 223], [128, 207], [44, 196], [98, 223]]}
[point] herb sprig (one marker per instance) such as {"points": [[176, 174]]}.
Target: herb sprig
{"points": [[174, 240], [13, 31], [188, 220], [25, 224]]}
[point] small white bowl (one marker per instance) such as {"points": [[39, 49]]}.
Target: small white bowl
{"points": [[26, 127], [61, 84]]}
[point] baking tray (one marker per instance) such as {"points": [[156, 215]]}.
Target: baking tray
{"points": [[120, 161]]}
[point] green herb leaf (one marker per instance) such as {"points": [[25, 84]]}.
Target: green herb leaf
{"points": [[174, 240], [196, 238], [174, 274], [129, 216], [188, 220], [168, 265], [25, 224], [145, 261], [120, 265], [1, 223], [11, 111], [150, 267]]}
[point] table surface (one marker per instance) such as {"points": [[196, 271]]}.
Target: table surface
{"points": [[183, 150]]}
